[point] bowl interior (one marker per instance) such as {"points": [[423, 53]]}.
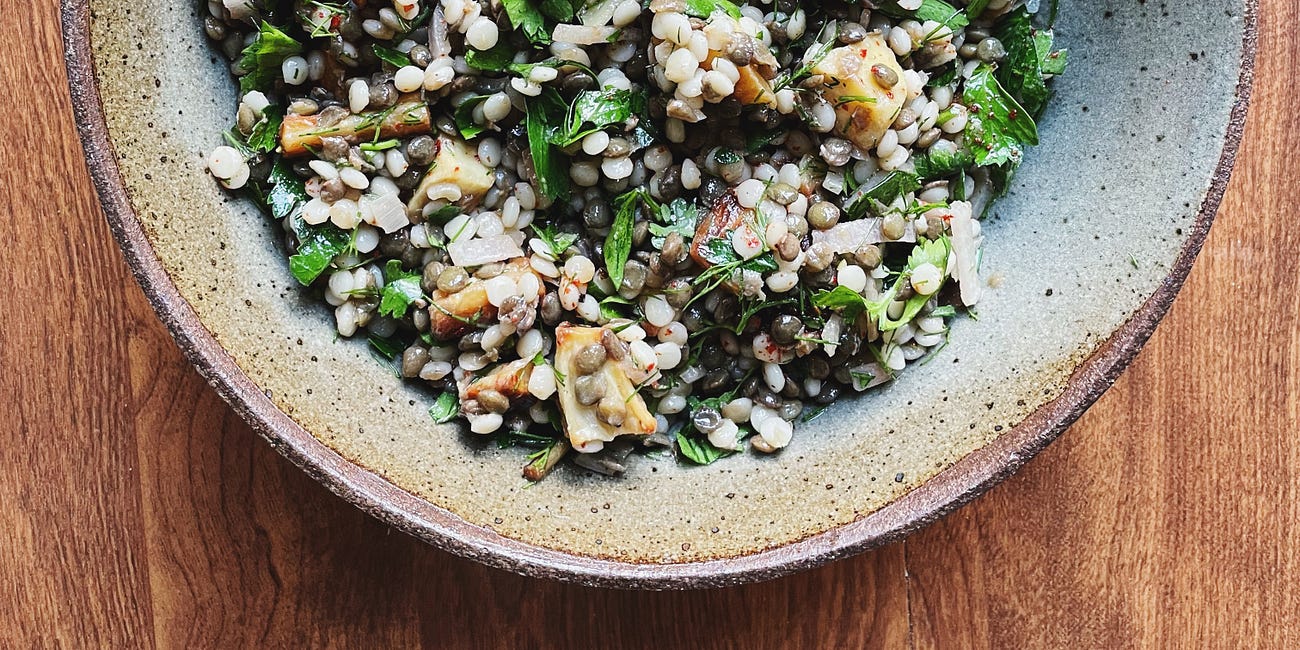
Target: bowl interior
{"points": [[1095, 222]]}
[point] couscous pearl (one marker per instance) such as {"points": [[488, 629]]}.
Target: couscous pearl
{"points": [[617, 168], [408, 79], [294, 70], [627, 13], [681, 65], [324, 170], [482, 34], [852, 277], [224, 162], [773, 377], [595, 143], [668, 355], [358, 96], [691, 178], [497, 107], [658, 312], [541, 382], [926, 279], [354, 178], [316, 212], [580, 269], [488, 423], [240, 178], [396, 163], [675, 333], [367, 238]]}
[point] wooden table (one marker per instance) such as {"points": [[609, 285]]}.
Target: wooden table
{"points": [[137, 510]]}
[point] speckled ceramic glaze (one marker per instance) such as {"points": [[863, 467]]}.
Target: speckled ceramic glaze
{"points": [[1086, 254]]}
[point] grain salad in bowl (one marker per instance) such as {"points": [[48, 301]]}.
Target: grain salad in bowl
{"points": [[607, 227]]}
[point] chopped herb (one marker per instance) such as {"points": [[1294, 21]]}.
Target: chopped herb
{"points": [[726, 156], [680, 216], [976, 7], [401, 288], [464, 117], [382, 145], [852, 304], [497, 59], [944, 311], [998, 129], [287, 194], [557, 241], [618, 243], [527, 18], [705, 8], [561, 10], [444, 214], [608, 309], [600, 109], [317, 247], [1029, 58], [445, 408], [936, 10], [936, 163], [388, 348], [510, 438], [849, 99], [264, 57], [391, 56], [883, 192], [698, 449], [546, 113]]}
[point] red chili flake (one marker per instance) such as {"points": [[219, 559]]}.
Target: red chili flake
{"points": [[1012, 114]]}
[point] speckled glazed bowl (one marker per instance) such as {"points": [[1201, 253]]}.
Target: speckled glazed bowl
{"points": [[1089, 250]]}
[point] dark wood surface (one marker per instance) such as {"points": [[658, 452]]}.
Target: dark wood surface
{"points": [[137, 511]]}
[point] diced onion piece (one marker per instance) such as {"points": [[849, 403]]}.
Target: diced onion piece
{"points": [[583, 34], [849, 236], [868, 376], [477, 252], [965, 248], [386, 211]]}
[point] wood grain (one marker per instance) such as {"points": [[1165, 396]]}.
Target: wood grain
{"points": [[138, 511]]}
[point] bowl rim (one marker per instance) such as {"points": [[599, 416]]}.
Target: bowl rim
{"points": [[950, 489]]}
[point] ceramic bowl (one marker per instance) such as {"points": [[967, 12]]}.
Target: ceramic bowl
{"points": [[1086, 254]]}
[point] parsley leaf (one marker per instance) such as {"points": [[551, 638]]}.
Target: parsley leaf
{"points": [[265, 136], [557, 241], [561, 10], [698, 449], [852, 304], [618, 243], [601, 109], [680, 216], [936, 10], [263, 58], [391, 56], [1028, 50], [464, 117], [388, 348], [317, 247], [526, 17], [883, 191], [937, 163], [998, 129], [445, 408], [705, 8], [401, 288], [545, 114], [287, 194], [497, 59]]}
